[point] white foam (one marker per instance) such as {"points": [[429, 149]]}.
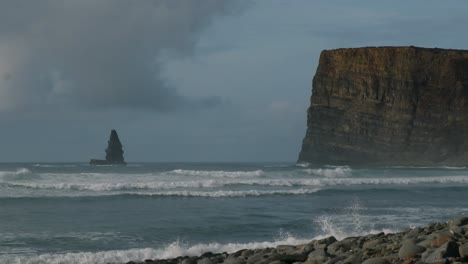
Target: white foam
{"points": [[25, 179], [218, 194], [219, 174], [121, 256], [55, 165], [20, 173], [397, 180], [303, 165], [331, 172], [161, 185], [116, 186], [428, 167], [349, 223]]}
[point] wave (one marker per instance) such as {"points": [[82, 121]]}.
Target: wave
{"points": [[153, 185], [218, 194], [175, 249], [331, 172], [428, 167], [350, 222], [219, 174], [55, 165], [278, 166], [19, 174], [178, 193], [12, 182]]}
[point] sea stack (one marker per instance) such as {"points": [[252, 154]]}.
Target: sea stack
{"points": [[389, 106], [114, 152]]}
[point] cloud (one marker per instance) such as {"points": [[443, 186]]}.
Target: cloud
{"points": [[98, 54]]}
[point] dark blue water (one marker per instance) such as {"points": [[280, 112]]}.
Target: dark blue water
{"points": [[75, 213]]}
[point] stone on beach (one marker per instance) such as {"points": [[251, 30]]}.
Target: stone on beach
{"points": [[409, 249]]}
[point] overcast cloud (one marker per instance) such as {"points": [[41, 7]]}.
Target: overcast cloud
{"points": [[185, 80], [98, 54]]}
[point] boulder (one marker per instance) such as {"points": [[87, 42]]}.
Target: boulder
{"points": [[376, 261], [409, 249], [440, 255]]}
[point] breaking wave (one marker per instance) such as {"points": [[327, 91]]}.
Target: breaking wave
{"points": [[219, 174], [55, 165], [166, 185], [350, 222], [219, 194], [175, 249], [331, 172], [19, 174]]}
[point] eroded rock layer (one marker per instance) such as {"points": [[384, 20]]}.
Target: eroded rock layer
{"points": [[389, 105]]}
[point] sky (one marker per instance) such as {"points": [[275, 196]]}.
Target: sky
{"points": [[182, 80]]}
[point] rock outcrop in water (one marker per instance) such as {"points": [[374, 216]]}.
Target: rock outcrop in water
{"points": [[389, 106], [114, 152]]}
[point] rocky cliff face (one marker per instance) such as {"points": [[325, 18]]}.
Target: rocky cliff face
{"points": [[389, 106]]}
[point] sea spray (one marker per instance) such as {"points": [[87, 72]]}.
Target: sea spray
{"points": [[171, 250], [347, 222]]}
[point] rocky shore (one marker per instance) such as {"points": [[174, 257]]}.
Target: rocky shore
{"points": [[435, 243]]}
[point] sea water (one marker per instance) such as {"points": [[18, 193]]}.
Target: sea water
{"points": [[76, 213]]}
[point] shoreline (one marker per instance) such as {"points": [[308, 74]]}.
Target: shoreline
{"points": [[434, 243]]}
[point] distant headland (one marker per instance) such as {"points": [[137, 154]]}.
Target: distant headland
{"points": [[389, 106], [114, 152]]}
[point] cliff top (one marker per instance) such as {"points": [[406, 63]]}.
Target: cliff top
{"points": [[395, 48]]}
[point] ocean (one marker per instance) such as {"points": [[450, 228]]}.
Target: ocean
{"points": [[76, 213]]}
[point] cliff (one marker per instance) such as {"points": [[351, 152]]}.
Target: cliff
{"points": [[389, 106]]}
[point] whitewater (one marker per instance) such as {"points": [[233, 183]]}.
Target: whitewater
{"points": [[76, 213]]}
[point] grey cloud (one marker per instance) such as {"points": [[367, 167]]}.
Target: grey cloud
{"points": [[98, 53]]}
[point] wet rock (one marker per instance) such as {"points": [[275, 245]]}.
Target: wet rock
{"points": [[463, 250], [376, 261], [318, 256], [206, 261], [323, 243], [371, 244], [336, 260], [440, 255], [188, 261], [440, 238], [303, 249], [247, 253], [340, 247], [458, 221], [413, 233], [353, 259], [457, 231], [234, 260], [278, 262], [409, 249], [285, 248]]}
